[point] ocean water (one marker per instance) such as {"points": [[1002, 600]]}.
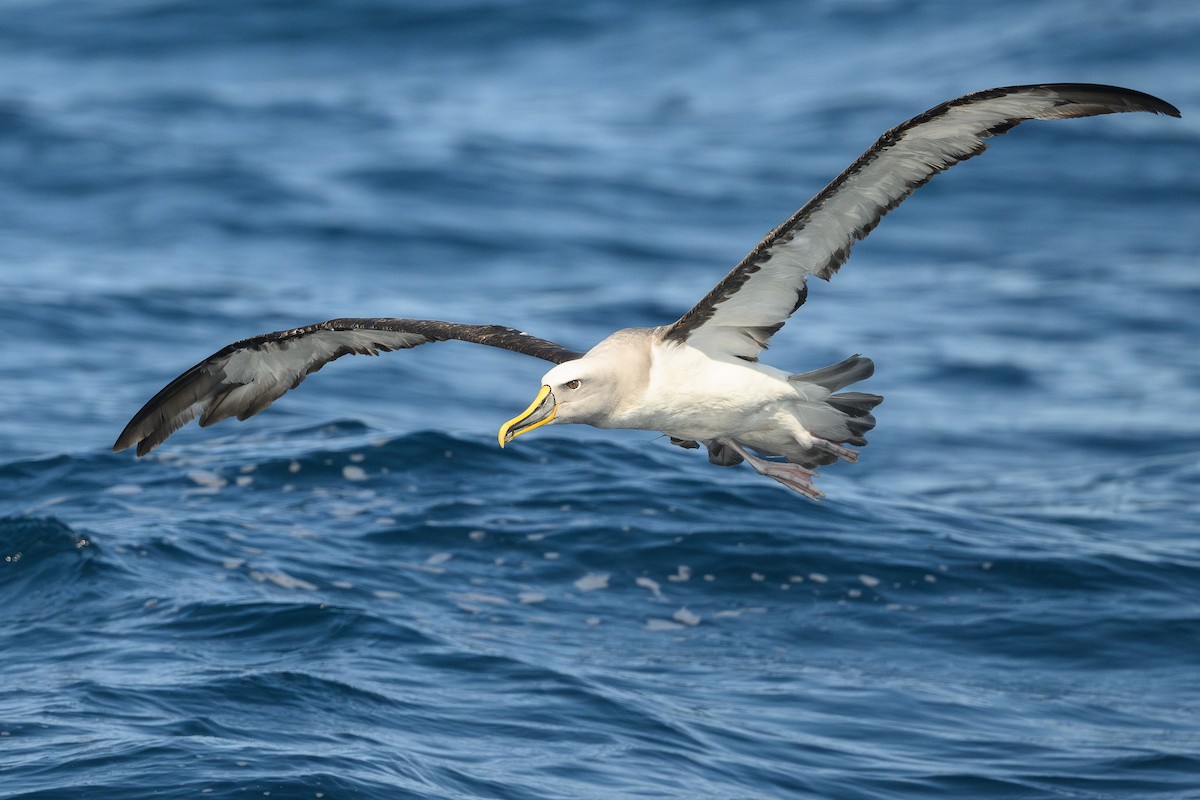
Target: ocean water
{"points": [[356, 594]]}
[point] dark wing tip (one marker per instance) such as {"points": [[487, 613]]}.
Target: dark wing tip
{"points": [[137, 433], [146, 440], [1132, 98], [1105, 98]]}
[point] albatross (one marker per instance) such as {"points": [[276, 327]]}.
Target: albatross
{"points": [[698, 380]]}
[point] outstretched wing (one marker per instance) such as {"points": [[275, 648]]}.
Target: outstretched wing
{"points": [[754, 300], [247, 376]]}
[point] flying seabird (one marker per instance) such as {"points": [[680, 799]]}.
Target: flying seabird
{"points": [[697, 380]]}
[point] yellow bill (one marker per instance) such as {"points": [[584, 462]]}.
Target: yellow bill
{"points": [[540, 411]]}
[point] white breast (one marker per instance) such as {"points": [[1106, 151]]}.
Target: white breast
{"points": [[692, 395]]}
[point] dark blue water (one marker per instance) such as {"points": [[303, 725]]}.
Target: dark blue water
{"points": [[357, 594]]}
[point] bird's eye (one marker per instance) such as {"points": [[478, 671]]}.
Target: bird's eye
{"points": [[572, 384]]}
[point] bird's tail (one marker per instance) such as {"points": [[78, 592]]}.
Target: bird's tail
{"points": [[840, 375], [853, 409]]}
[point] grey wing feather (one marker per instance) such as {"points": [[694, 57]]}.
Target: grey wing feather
{"points": [[754, 300], [247, 376]]}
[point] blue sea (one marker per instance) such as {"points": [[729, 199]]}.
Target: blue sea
{"points": [[357, 594]]}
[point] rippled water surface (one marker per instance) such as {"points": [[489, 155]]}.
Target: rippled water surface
{"points": [[357, 594]]}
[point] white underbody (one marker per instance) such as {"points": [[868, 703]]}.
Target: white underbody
{"points": [[693, 395]]}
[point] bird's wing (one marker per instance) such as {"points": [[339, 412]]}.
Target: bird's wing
{"points": [[754, 300], [247, 376]]}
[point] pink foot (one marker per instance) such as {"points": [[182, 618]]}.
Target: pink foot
{"points": [[793, 476]]}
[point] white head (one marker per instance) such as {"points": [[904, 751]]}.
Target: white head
{"points": [[589, 390]]}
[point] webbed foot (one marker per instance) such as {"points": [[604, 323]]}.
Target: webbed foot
{"points": [[793, 476]]}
